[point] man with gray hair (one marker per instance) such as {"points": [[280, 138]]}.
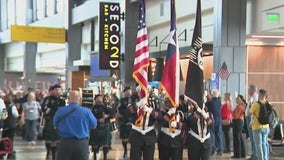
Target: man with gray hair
{"points": [[252, 97], [214, 107]]}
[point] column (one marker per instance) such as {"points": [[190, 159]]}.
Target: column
{"points": [[29, 73], [30, 12], [130, 42], [3, 15], [73, 44], [159, 69], [30, 51], [229, 43], [2, 66]]}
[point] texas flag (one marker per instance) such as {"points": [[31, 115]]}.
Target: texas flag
{"points": [[171, 73]]}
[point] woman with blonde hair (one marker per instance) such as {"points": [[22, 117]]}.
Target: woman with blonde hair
{"points": [[226, 120], [30, 116]]}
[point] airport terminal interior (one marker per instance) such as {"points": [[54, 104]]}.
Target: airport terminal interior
{"points": [[38, 152], [91, 44]]}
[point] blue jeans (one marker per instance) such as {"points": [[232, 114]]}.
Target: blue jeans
{"points": [[212, 137], [217, 137], [248, 121], [261, 143], [31, 129]]}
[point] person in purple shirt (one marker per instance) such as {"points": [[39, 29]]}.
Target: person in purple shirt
{"points": [[73, 123]]}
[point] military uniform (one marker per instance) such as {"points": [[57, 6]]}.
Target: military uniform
{"points": [[101, 136], [50, 135], [124, 129], [169, 137], [142, 136], [124, 115], [154, 101], [198, 137]]}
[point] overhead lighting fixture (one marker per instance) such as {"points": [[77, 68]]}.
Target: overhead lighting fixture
{"points": [[131, 1], [266, 36], [207, 54]]}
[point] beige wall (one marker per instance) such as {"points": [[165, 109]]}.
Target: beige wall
{"points": [[265, 70]]}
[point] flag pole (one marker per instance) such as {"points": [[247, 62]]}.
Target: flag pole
{"points": [[171, 74], [194, 88], [141, 63], [169, 83], [226, 85]]}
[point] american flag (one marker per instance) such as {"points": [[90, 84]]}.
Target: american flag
{"points": [[141, 61], [194, 87], [171, 73], [224, 72]]}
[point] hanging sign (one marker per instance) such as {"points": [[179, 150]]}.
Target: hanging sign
{"points": [[109, 35], [38, 34]]}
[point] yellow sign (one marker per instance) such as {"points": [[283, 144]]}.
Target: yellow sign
{"points": [[38, 34]]}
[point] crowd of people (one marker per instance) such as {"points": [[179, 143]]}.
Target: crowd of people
{"points": [[243, 119], [204, 132], [173, 128], [198, 129]]}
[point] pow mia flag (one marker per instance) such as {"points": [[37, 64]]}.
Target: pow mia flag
{"points": [[194, 88]]}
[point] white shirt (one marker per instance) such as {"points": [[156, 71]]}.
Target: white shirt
{"points": [[253, 98], [15, 112], [2, 106]]}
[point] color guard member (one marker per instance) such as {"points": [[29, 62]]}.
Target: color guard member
{"points": [[198, 138]]}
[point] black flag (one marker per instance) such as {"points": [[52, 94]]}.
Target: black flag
{"points": [[194, 88]]}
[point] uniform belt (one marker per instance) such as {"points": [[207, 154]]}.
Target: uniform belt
{"points": [[141, 130], [169, 133], [198, 136]]}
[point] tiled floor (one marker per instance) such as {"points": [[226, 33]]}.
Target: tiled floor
{"points": [[37, 152]]}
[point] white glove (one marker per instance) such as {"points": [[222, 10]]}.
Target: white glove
{"points": [[148, 109], [172, 111], [174, 124], [203, 113], [141, 102]]}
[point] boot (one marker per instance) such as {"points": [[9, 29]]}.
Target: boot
{"points": [[124, 144], [105, 151], [47, 146], [11, 156], [95, 150], [53, 152]]}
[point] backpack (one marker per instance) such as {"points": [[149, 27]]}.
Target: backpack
{"points": [[267, 115], [275, 119]]}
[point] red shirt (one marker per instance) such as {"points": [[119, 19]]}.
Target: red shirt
{"points": [[226, 111], [238, 112]]}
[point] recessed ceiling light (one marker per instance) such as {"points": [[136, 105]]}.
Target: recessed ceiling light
{"points": [[266, 36]]}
